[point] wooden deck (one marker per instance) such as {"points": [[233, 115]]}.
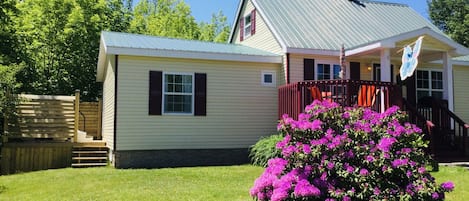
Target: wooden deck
{"points": [[293, 98]]}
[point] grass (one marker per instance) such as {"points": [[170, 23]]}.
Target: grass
{"points": [[460, 177], [200, 183]]}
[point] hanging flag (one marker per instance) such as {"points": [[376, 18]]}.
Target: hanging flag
{"points": [[410, 59]]}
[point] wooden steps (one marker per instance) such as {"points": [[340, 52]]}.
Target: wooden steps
{"points": [[89, 154]]}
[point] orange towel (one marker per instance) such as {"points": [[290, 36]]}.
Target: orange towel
{"points": [[315, 93], [366, 95]]}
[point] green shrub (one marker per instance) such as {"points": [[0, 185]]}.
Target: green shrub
{"points": [[264, 150]]}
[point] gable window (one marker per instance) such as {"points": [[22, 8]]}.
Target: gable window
{"points": [[327, 71], [268, 78], [247, 25], [429, 83], [178, 93]]}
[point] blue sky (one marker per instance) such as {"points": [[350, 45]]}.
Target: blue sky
{"points": [[202, 9]]}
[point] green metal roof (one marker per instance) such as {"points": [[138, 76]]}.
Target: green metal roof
{"points": [[326, 24], [137, 41]]}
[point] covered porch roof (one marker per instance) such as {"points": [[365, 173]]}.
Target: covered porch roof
{"points": [[434, 44]]}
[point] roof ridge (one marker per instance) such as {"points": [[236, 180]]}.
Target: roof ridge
{"points": [[385, 3], [171, 38]]}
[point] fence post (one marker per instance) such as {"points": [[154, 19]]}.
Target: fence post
{"points": [[100, 109], [5, 119], [77, 114]]}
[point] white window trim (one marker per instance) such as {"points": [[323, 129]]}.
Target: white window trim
{"points": [[329, 62], [430, 89], [248, 34], [164, 93], [274, 80]]}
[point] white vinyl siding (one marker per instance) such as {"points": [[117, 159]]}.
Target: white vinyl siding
{"points": [[108, 104], [263, 39], [239, 109]]}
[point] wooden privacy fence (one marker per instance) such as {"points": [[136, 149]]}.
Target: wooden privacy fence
{"points": [[43, 116], [54, 117], [26, 157], [90, 118]]}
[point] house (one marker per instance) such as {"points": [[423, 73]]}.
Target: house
{"points": [[170, 102]]}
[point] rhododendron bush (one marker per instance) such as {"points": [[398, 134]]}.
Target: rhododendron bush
{"points": [[335, 153]]}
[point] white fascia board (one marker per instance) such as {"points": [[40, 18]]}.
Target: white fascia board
{"points": [[193, 55], [313, 51], [102, 57], [235, 21], [271, 28], [367, 48], [454, 62]]}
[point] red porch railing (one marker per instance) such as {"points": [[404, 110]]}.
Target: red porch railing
{"points": [[379, 96]]}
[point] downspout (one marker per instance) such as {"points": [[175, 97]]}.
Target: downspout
{"points": [[116, 63], [287, 66]]}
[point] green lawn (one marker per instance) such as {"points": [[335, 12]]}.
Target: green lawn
{"points": [[201, 183], [460, 177]]}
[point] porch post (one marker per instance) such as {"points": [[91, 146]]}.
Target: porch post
{"points": [[385, 72], [448, 92], [385, 65]]}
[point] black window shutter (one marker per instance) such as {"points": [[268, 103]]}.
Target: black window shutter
{"points": [[241, 29], [392, 73], [308, 69], [155, 96], [253, 22], [355, 70], [200, 98]]}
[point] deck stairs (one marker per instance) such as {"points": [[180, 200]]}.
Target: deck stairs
{"points": [[89, 154], [449, 139]]}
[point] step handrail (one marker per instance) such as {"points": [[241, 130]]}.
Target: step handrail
{"points": [[430, 126]]}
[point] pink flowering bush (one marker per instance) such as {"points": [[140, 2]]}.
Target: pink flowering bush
{"points": [[335, 153]]}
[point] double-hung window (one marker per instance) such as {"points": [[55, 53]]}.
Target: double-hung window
{"points": [[429, 83], [327, 71], [178, 93], [247, 25]]}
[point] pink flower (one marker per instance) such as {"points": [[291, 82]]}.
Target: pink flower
{"points": [[364, 172], [304, 189], [448, 186], [306, 149], [385, 143], [399, 162]]}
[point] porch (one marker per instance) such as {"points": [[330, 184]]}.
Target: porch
{"points": [[447, 133], [294, 97]]}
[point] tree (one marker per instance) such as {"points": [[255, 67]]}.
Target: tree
{"points": [[218, 30], [8, 40], [452, 17], [169, 18], [61, 41], [172, 18]]}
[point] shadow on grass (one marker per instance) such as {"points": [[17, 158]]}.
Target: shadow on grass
{"points": [[2, 189]]}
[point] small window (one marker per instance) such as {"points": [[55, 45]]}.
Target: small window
{"points": [[268, 78], [247, 26], [178, 93]]}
